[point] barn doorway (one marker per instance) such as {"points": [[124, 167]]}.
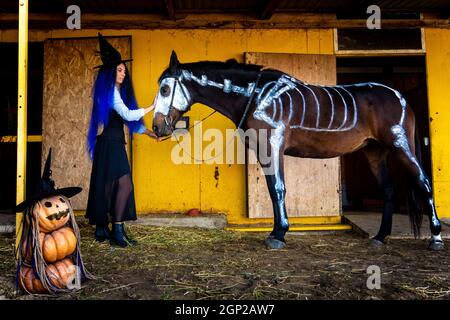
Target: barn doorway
{"points": [[8, 121], [407, 74]]}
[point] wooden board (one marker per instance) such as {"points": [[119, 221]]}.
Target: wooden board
{"points": [[67, 107], [234, 21], [312, 185]]}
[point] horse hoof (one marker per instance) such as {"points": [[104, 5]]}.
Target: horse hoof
{"points": [[436, 245], [273, 243], [374, 243]]}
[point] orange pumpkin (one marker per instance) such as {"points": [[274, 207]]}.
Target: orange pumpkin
{"points": [[52, 213], [59, 273], [58, 244], [29, 282], [54, 246]]}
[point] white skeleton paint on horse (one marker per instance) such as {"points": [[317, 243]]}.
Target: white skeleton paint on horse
{"points": [[305, 121]]}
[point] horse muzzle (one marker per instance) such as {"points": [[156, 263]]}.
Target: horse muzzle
{"points": [[162, 125]]}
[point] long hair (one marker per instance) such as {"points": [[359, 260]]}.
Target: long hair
{"points": [[103, 103]]}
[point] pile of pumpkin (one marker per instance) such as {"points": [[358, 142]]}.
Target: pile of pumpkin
{"points": [[57, 243]]}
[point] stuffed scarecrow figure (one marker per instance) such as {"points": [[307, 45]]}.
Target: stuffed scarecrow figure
{"points": [[49, 256]]}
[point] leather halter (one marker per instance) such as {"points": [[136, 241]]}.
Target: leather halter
{"points": [[178, 82], [171, 107]]}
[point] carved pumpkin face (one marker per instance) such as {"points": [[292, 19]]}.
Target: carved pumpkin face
{"points": [[52, 213]]}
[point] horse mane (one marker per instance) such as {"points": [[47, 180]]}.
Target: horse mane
{"points": [[229, 65], [241, 73]]}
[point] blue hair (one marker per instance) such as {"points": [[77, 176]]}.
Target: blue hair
{"points": [[103, 103]]}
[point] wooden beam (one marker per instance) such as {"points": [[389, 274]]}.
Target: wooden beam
{"points": [[268, 9], [22, 112], [212, 21], [13, 139], [170, 9]]}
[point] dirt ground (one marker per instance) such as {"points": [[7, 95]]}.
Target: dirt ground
{"points": [[185, 263]]}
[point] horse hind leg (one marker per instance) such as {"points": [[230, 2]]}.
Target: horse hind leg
{"points": [[376, 156], [405, 153]]}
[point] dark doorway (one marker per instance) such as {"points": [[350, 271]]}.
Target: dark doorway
{"points": [[407, 75], [8, 119]]}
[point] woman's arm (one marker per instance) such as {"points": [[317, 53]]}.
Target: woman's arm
{"points": [[124, 112]]}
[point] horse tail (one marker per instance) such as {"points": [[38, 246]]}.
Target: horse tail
{"points": [[415, 206]]}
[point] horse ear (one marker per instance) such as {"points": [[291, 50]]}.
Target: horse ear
{"points": [[173, 61]]}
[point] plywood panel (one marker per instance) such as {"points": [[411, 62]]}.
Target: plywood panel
{"points": [[312, 185], [67, 106]]}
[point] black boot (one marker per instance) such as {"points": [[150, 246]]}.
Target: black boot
{"points": [[101, 232], [118, 236], [132, 242]]}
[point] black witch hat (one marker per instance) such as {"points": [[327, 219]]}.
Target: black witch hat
{"points": [[109, 55], [46, 187]]}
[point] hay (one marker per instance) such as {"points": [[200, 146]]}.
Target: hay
{"points": [[183, 263]]}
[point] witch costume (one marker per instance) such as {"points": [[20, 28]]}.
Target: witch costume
{"points": [[111, 191]]}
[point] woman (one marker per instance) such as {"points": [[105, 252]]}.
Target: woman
{"points": [[111, 195]]}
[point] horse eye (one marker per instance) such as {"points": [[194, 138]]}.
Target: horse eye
{"points": [[48, 204], [165, 90], [62, 200]]}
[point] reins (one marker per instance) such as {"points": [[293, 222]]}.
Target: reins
{"points": [[197, 122]]}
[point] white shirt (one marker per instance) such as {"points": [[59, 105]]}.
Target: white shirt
{"points": [[124, 112]]}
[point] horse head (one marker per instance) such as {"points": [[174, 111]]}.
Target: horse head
{"points": [[173, 99]]}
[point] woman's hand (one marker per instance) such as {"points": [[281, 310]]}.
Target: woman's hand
{"points": [[148, 109], [152, 135]]}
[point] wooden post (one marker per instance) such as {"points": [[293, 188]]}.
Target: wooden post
{"points": [[22, 111]]}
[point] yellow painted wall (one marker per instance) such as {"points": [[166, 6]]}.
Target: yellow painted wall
{"points": [[437, 43], [184, 186], [159, 184]]}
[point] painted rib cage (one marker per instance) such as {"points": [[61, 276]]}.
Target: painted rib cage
{"points": [[308, 107], [299, 105]]}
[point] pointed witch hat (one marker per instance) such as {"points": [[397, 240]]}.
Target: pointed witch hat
{"points": [[109, 55], [46, 187]]}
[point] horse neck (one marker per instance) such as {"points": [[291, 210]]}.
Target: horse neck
{"points": [[227, 98]]}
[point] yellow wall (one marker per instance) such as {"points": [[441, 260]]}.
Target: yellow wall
{"points": [[437, 43], [168, 186], [160, 185]]}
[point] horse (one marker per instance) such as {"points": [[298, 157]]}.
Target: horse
{"points": [[308, 121]]}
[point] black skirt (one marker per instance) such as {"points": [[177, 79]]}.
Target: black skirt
{"points": [[111, 188]]}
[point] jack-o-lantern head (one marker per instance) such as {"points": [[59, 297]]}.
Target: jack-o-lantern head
{"points": [[47, 197], [49, 238], [52, 212]]}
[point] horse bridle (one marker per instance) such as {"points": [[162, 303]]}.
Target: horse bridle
{"points": [[171, 125], [171, 107]]}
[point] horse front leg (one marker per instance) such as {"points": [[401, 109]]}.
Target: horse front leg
{"points": [[281, 224], [275, 182]]}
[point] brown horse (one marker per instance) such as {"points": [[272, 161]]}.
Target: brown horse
{"points": [[304, 120]]}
